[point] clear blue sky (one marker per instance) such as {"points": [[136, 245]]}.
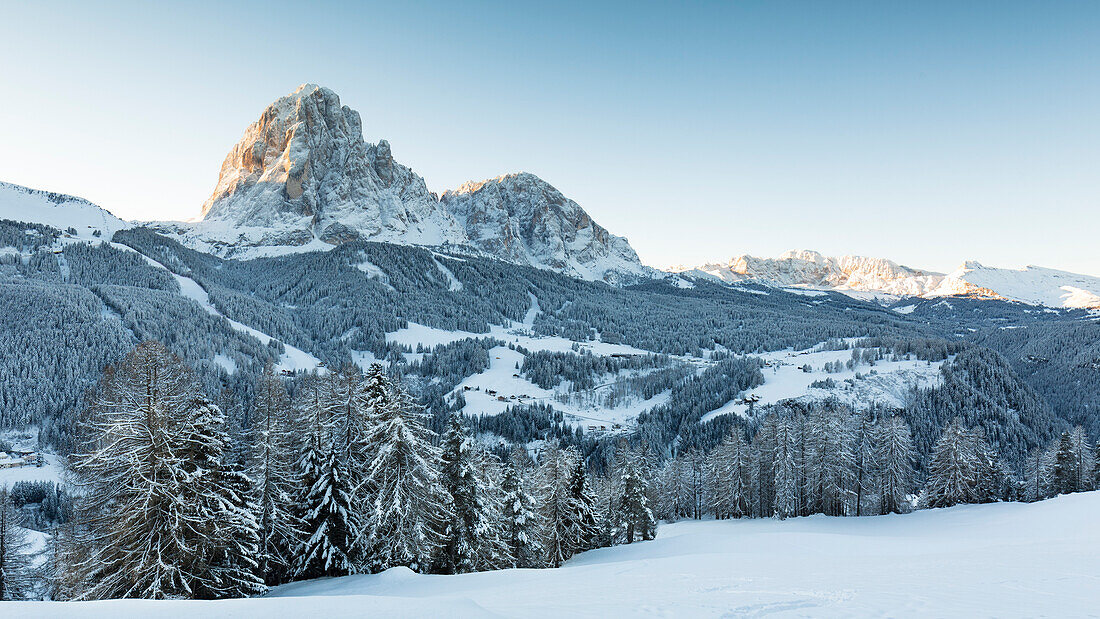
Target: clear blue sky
{"points": [[925, 132]]}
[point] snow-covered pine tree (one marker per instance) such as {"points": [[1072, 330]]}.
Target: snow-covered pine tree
{"points": [[134, 532], [468, 522], [992, 477], [953, 475], [331, 522], [1083, 457], [835, 461], [555, 469], [153, 516], [494, 551], [763, 456], [582, 514], [1039, 474], [893, 455], [220, 493], [16, 578], [312, 454], [731, 473], [407, 505], [1065, 466], [634, 516], [520, 520], [276, 479]]}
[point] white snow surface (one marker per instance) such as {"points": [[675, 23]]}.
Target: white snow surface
{"points": [[59, 211], [500, 376], [783, 380], [292, 359], [998, 560], [1033, 285], [881, 280], [52, 470]]}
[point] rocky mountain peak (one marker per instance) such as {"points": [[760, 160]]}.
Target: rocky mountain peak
{"points": [[522, 218], [302, 176], [303, 173]]}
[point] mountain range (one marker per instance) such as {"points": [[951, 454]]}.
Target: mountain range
{"points": [[302, 178], [860, 277]]}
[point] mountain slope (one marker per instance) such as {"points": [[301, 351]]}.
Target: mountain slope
{"points": [[18, 203], [1001, 559], [1033, 285], [809, 268]]}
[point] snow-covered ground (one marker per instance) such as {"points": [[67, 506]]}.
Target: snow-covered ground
{"points": [[20, 203], [292, 359], [1000, 560], [51, 470], [504, 364], [785, 379]]}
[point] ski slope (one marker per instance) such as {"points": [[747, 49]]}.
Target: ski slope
{"points": [[1001, 560]]}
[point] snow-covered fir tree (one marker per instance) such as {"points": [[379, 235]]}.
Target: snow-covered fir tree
{"points": [[16, 577], [786, 458], [222, 495], [634, 518], [731, 478], [520, 519], [963, 469], [276, 479], [554, 476], [583, 520], [407, 507], [470, 520]]}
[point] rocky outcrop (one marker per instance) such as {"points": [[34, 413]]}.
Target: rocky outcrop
{"points": [[523, 219], [302, 177], [303, 172], [809, 268]]}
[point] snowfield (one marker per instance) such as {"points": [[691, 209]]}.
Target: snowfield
{"points": [[785, 379], [1000, 560]]}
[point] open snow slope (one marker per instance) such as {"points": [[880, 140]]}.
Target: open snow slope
{"points": [[1001, 560], [784, 379], [60, 211]]}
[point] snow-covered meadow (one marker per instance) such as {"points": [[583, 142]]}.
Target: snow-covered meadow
{"points": [[998, 560]]}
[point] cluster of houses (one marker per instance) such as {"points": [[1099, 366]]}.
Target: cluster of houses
{"points": [[493, 394], [17, 458]]}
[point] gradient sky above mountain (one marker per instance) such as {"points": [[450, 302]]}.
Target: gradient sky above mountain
{"points": [[928, 133]]}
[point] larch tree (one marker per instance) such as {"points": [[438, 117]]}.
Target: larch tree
{"points": [[893, 455], [16, 578]]}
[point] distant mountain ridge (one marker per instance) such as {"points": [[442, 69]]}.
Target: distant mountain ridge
{"points": [[858, 274], [302, 177]]}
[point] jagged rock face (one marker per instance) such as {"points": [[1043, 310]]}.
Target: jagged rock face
{"points": [[809, 268], [303, 172], [302, 177], [521, 218]]}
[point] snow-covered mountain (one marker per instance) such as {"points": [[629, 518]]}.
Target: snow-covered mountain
{"points": [[1034, 285], [303, 173], [877, 276], [302, 177], [58, 210], [522, 219], [811, 269]]}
